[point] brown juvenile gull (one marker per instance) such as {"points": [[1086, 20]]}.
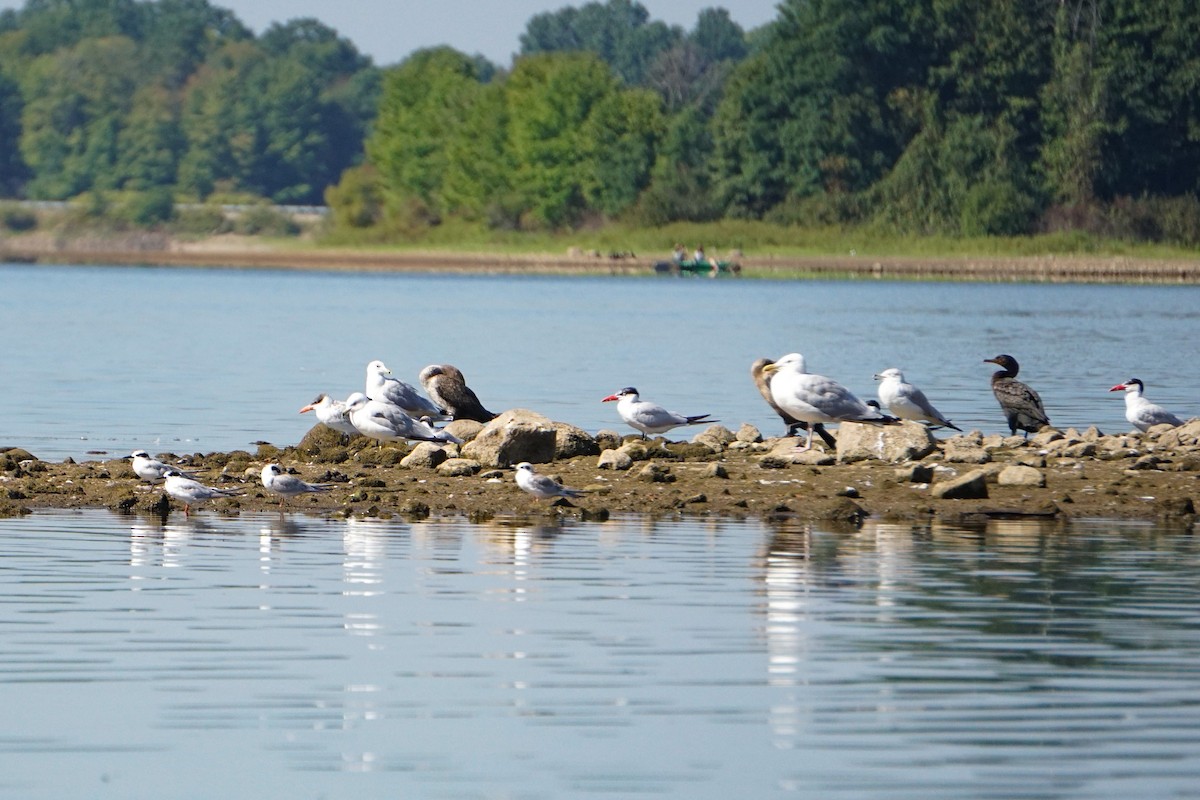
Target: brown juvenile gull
{"points": [[446, 386]]}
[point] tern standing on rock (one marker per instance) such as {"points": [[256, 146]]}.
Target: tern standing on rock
{"points": [[907, 401], [543, 487], [815, 398], [649, 417], [332, 413], [276, 481], [1140, 412]]}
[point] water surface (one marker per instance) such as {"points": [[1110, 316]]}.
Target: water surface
{"points": [[117, 358], [262, 656]]}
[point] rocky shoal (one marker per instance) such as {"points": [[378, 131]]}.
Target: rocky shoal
{"points": [[897, 472]]}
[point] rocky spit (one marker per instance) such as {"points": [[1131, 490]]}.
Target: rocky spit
{"points": [[899, 472]]}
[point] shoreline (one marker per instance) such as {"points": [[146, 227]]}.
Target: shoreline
{"points": [[247, 253], [901, 475]]}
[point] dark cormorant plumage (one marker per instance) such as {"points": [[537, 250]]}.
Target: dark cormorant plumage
{"points": [[447, 387], [793, 424], [1021, 405]]}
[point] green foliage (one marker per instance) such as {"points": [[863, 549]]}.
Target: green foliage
{"points": [[262, 220], [16, 219], [357, 200]]}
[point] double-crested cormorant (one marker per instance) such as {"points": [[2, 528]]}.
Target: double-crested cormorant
{"points": [[907, 401], [446, 386], [815, 398], [1021, 405], [793, 424], [649, 417], [1140, 412]]}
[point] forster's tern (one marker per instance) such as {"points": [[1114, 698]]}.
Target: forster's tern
{"points": [[151, 469], [542, 487], [188, 491], [649, 417], [275, 480]]}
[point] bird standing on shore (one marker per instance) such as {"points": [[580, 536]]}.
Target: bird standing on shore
{"points": [[331, 413], [1140, 412], [276, 481], [446, 386], [649, 417], [907, 401], [763, 383], [1022, 406], [380, 386], [188, 491], [543, 487], [386, 422], [151, 469], [815, 398]]}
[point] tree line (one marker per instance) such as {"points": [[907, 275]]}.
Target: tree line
{"points": [[957, 117]]}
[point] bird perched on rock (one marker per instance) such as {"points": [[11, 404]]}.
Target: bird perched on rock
{"points": [[276, 481], [649, 417], [1022, 406], [1141, 413], [151, 469], [761, 380], [446, 386], [386, 422], [188, 491], [383, 388], [542, 487], [815, 398], [331, 413], [907, 401]]}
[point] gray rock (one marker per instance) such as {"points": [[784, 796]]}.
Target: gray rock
{"points": [[459, 467], [915, 473], [516, 435], [972, 486], [571, 441], [615, 460], [960, 451], [1020, 475], [425, 454], [1045, 436], [656, 473], [608, 439], [714, 470], [465, 429], [748, 434], [908, 441]]}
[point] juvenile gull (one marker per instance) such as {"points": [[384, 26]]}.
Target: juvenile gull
{"points": [[649, 417], [907, 401], [446, 386], [1140, 412], [815, 398], [542, 487], [1022, 406]]}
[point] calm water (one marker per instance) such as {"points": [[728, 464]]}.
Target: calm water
{"points": [[113, 359], [267, 657]]}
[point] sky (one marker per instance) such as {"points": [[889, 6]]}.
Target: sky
{"points": [[388, 30]]}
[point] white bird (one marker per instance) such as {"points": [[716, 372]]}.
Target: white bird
{"points": [[386, 422], [815, 398], [649, 417], [907, 401], [331, 413], [395, 391], [1140, 412], [542, 487], [151, 469], [275, 480], [188, 491]]}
